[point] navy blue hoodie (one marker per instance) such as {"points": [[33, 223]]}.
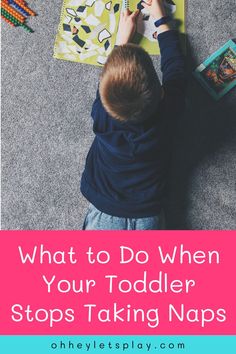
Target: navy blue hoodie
{"points": [[126, 167]]}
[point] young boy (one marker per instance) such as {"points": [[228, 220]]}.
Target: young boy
{"points": [[134, 121]]}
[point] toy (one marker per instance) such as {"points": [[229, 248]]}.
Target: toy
{"points": [[12, 12], [14, 20], [8, 21], [15, 12], [23, 7], [217, 74]]}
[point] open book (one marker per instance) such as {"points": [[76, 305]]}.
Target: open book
{"points": [[88, 28]]}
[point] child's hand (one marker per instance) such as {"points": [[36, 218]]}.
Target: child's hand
{"points": [[155, 8], [127, 26]]}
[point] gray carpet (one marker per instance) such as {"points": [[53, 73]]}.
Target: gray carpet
{"points": [[46, 129]]}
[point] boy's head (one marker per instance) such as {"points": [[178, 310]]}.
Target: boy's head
{"points": [[129, 87]]}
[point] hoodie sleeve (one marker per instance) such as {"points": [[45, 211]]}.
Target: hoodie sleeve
{"points": [[174, 72], [172, 59]]}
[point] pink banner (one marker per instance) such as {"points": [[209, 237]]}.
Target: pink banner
{"points": [[76, 282]]}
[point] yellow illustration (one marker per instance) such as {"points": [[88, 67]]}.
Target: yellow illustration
{"points": [[88, 28]]}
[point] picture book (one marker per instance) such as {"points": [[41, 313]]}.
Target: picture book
{"points": [[217, 74], [88, 28]]}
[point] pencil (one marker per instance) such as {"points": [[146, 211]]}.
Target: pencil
{"points": [[13, 12], [24, 7], [7, 20]]}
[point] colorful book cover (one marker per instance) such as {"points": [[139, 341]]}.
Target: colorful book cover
{"points": [[217, 74], [88, 28]]}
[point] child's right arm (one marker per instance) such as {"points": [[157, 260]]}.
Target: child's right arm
{"points": [[172, 59]]}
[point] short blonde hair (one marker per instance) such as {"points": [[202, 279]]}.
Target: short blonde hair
{"points": [[129, 86]]}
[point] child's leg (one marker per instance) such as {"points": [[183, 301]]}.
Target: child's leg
{"points": [[96, 220], [156, 222]]}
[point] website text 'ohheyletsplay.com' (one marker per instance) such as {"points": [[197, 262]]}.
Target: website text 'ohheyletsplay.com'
{"points": [[116, 345]]}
